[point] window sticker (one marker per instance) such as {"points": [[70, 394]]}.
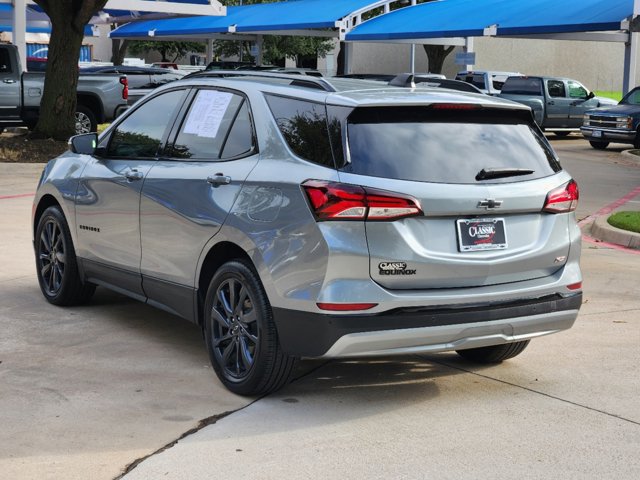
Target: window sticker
{"points": [[207, 112]]}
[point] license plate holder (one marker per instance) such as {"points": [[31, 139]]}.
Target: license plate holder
{"points": [[481, 234], [597, 134]]}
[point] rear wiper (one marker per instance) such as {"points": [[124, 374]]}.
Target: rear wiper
{"points": [[490, 173]]}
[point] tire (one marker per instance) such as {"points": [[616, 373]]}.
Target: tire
{"points": [[494, 353], [240, 334], [56, 262], [599, 145], [85, 120], [562, 134]]}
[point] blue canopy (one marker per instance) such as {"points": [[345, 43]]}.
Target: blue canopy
{"points": [[291, 15], [469, 18]]}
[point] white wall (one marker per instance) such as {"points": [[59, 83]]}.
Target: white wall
{"points": [[598, 65]]}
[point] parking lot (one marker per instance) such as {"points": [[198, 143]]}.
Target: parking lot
{"points": [[87, 391]]}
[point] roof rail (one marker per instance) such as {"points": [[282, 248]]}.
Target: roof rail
{"points": [[296, 79]]}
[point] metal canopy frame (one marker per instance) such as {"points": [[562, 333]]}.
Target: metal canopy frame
{"points": [[629, 34]]}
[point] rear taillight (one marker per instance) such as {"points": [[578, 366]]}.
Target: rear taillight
{"points": [[337, 201], [563, 199], [125, 88]]}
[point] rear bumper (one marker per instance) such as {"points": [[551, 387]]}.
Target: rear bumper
{"points": [[426, 329], [609, 135]]}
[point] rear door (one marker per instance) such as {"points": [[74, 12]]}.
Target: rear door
{"points": [[558, 104], [475, 231], [189, 192]]}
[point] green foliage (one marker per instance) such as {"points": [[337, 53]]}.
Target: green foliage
{"points": [[626, 221], [170, 51]]}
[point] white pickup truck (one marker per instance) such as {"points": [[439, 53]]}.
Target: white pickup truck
{"points": [[101, 98]]}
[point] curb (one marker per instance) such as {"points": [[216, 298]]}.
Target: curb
{"points": [[633, 157], [601, 230]]}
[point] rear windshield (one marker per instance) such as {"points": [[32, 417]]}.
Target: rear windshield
{"points": [[445, 146], [523, 86]]}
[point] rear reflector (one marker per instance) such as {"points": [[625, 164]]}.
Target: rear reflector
{"points": [[563, 199], [338, 201], [575, 286], [343, 307]]}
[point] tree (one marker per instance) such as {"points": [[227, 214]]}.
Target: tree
{"points": [[58, 105], [174, 50], [275, 47], [436, 55]]}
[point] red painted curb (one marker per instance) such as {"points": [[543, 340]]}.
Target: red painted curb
{"points": [[7, 197]]}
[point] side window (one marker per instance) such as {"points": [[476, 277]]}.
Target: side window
{"points": [[5, 61], [304, 126], [240, 138], [556, 88], [206, 127], [576, 90], [140, 134]]}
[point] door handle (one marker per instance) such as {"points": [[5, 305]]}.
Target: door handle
{"points": [[551, 103], [218, 179], [9, 80], [133, 175]]}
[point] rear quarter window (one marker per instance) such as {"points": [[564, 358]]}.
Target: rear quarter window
{"points": [[304, 127]]}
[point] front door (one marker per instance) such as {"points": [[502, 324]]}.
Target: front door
{"points": [[188, 194], [558, 104], [580, 103], [108, 199]]}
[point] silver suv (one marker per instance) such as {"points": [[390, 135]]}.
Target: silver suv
{"points": [[297, 217]]}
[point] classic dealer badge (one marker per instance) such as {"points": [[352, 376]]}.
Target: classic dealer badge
{"points": [[395, 268]]}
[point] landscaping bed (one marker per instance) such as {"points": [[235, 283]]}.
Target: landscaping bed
{"points": [[629, 221]]}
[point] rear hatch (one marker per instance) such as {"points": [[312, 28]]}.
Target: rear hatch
{"points": [[481, 178]]}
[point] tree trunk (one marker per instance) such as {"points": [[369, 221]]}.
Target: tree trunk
{"points": [[437, 55], [59, 98]]}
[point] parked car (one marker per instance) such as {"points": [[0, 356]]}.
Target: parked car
{"points": [[557, 103], [488, 82], [290, 218], [421, 81], [169, 65], [101, 98], [619, 123], [141, 80]]}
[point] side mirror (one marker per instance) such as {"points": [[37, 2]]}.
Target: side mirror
{"points": [[84, 144], [591, 95]]}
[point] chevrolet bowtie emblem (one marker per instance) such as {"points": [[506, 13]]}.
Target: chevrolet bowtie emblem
{"points": [[489, 204]]}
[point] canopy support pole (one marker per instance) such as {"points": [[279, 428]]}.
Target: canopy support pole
{"points": [[412, 59], [20, 29], [260, 45], [209, 50], [348, 58], [631, 51], [468, 48]]}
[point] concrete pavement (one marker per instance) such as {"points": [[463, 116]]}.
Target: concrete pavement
{"points": [[86, 391]]}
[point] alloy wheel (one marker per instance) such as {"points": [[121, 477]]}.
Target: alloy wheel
{"points": [[235, 328], [52, 257]]}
